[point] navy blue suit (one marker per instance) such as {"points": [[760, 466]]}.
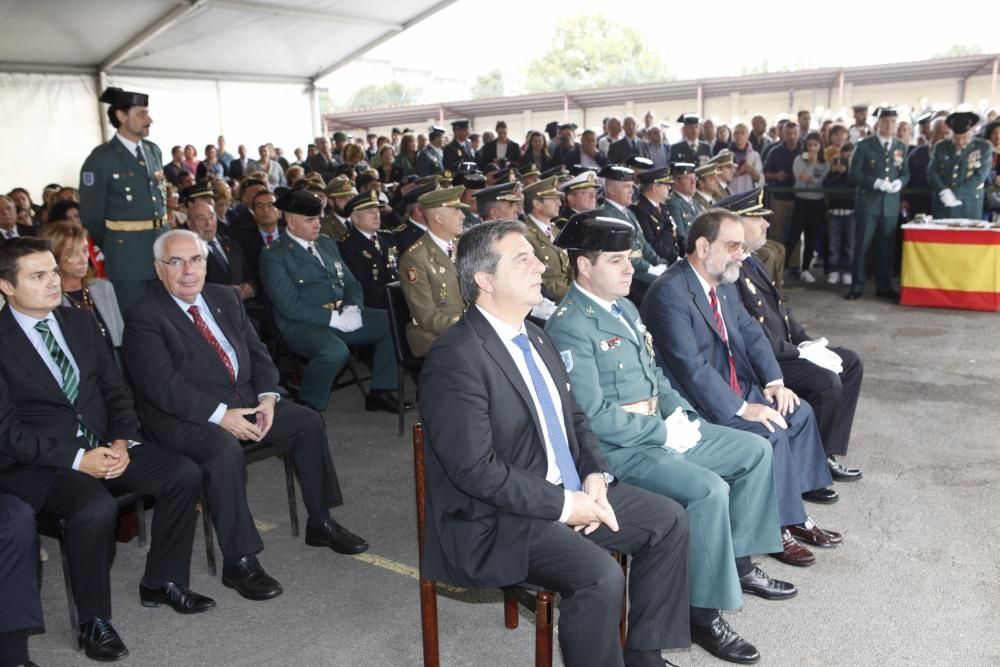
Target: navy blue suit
{"points": [[693, 356], [22, 608]]}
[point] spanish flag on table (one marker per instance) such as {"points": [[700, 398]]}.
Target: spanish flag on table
{"points": [[951, 267]]}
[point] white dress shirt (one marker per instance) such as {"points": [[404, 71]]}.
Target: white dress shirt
{"points": [[507, 334], [544, 226], [441, 243]]}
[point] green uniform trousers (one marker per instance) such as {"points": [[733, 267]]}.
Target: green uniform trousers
{"points": [[880, 230]]}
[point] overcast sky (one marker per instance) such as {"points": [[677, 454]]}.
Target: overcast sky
{"points": [[443, 54]]}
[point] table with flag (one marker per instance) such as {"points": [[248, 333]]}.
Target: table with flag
{"points": [[951, 264]]}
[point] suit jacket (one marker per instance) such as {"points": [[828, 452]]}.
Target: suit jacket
{"points": [[236, 169], [573, 157], [488, 154], [234, 271], [179, 377], [38, 424], [658, 228], [252, 244], [767, 305], [486, 461], [621, 150], [455, 153], [690, 349], [324, 167]]}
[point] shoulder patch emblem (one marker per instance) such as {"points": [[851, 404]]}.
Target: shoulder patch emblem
{"points": [[87, 178], [567, 358], [411, 275]]}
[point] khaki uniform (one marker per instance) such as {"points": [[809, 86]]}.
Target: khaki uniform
{"points": [[557, 277], [430, 285]]}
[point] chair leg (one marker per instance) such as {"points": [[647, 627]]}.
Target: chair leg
{"points": [[543, 629], [206, 521], [293, 509], [353, 370], [400, 398], [510, 617], [74, 620], [140, 514], [429, 622], [623, 624]]}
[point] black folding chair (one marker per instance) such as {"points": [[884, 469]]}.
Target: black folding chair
{"points": [[399, 315]]}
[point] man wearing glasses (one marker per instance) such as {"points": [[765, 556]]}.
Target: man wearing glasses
{"points": [[205, 384]]}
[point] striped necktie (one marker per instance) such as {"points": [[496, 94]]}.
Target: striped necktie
{"points": [[70, 382], [734, 382]]}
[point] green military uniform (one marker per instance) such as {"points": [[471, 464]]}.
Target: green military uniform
{"points": [[122, 204], [876, 211], [304, 292], [964, 173], [682, 211], [725, 482]]}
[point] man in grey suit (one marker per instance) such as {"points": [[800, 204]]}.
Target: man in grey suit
{"points": [[629, 145]]}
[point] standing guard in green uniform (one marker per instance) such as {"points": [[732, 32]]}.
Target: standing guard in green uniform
{"points": [[880, 170], [958, 169], [319, 307], [542, 202], [654, 439], [122, 195]]}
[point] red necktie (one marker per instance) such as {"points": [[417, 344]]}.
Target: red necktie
{"points": [[734, 382], [270, 237], [206, 333]]}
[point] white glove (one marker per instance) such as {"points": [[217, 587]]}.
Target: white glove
{"points": [[948, 198], [544, 310], [817, 352], [682, 433], [657, 269], [882, 184], [347, 321], [895, 186]]}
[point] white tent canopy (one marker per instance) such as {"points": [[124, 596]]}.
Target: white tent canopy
{"points": [[234, 67]]}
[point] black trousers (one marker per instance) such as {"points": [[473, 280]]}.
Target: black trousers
{"points": [[808, 216], [296, 430], [833, 397], [90, 511], [653, 531], [21, 608]]}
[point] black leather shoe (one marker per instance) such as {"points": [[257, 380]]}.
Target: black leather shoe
{"points": [[100, 642], [890, 294], [183, 600], [650, 658], [757, 582], [332, 534], [250, 580], [842, 473], [852, 296], [825, 496], [724, 643], [386, 401]]}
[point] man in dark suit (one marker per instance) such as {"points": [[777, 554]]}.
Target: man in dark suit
{"points": [[204, 383], [241, 216], [718, 358], [828, 378], [264, 231], [629, 145], [654, 218], [22, 608], [459, 150], [225, 262], [237, 168], [323, 161], [499, 148], [70, 441], [9, 227], [510, 500], [586, 153]]}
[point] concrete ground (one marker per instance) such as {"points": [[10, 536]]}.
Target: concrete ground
{"points": [[914, 583]]}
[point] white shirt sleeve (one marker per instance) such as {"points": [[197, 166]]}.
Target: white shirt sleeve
{"points": [[78, 459], [567, 505], [220, 412]]}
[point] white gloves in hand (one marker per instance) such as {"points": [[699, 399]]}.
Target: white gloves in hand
{"points": [[544, 310], [347, 321], [657, 269], [894, 186], [948, 198], [682, 433], [881, 184], [817, 352]]}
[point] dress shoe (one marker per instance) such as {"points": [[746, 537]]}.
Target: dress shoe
{"points": [[183, 600], [842, 473], [813, 534], [650, 658], [724, 643], [757, 582], [332, 534], [386, 401], [100, 642], [852, 295], [825, 496], [249, 579], [792, 552], [890, 294]]}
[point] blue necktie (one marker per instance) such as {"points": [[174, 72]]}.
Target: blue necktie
{"points": [[564, 459]]}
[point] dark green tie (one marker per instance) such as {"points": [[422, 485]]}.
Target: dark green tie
{"points": [[70, 381]]}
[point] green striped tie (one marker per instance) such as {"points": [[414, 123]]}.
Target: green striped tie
{"points": [[70, 382]]}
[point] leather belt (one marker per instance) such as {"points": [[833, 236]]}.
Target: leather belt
{"points": [[334, 305], [132, 225], [649, 407]]}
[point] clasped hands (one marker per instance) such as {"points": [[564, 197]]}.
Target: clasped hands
{"points": [[890, 187], [784, 401], [106, 462], [236, 421], [591, 507]]}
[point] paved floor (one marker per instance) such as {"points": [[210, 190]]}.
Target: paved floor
{"points": [[914, 583]]}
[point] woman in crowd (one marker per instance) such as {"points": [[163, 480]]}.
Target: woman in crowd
{"points": [[810, 168], [190, 160], [69, 212], [749, 168], [80, 288], [723, 139], [354, 157], [382, 163], [904, 132], [406, 162], [536, 152], [211, 164], [840, 220], [176, 218]]}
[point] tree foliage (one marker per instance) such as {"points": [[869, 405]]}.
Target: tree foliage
{"points": [[591, 51], [958, 50], [384, 95], [488, 85]]}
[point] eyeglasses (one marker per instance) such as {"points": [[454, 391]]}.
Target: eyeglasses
{"points": [[175, 263], [733, 246]]}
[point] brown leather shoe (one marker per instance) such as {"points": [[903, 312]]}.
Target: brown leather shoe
{"points": [[812, 534], [793, 553]]}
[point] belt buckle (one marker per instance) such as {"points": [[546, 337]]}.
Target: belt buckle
{"points": [[157, 223]]}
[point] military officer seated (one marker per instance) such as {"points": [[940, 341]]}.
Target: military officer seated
{"points": [[654, 439], [472, 182], [657, 226], [319, 306], [429, 279], [415, 223], [542, 202], [581, 195], [339, 191], [681, 202], [500, 202], [706, 186], [369, 252]]}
